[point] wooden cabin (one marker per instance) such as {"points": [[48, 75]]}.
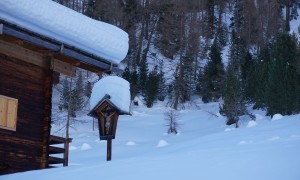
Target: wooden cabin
{"points": [[30, 63]]}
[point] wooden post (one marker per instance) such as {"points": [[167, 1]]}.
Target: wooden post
{"points": [[93, 124], [66, 153], [108, 156]]}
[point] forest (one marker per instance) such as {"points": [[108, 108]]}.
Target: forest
{"points": [[240, 53]]}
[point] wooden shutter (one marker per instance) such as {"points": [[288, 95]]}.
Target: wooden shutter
{"points": [[8, 112], [3, 110]]}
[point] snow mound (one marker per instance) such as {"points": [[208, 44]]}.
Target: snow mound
{"points": [[251, 124], [57, 22], [116, 88], [274, 138], [72, 148], [85, 147], [242, 142], [295, 136], [141, 114], [130, 143], [229, 129], [162, 143], [277, 117], [258, 117]]}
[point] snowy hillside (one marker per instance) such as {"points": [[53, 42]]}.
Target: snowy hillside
{"points": [[204, 149]]}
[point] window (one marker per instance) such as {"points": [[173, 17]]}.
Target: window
{"points": [[8, 112]]}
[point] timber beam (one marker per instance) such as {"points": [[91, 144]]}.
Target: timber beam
{"points": [[15, 51], [91, 61]]}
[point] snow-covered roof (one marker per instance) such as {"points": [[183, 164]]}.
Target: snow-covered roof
{"points": [[113, 89], [57, 22]]}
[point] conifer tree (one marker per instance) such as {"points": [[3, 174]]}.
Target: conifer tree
{"points": [[78, 93], [234, 102], [234, 93], [162, 90], [133, 79], [283, 83], [126, 74], [143, 74], [151, 88], [66, 102], [213, 76], [71, 97], [260, 76], [221, 37], [88, 89], [248, 69], [134, 83], [64, 95], [210, 18]]}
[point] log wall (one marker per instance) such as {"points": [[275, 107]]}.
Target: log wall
{"points": [[27, 147]]}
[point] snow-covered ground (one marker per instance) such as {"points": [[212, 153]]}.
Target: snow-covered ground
{"points": [[205, 148]]}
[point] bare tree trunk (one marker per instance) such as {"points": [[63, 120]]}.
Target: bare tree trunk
{"points": [[83, 6], [287, 15], [140, 44], [152, 30], [221, 8], [147, 19], [179, 79], [69, 111]]}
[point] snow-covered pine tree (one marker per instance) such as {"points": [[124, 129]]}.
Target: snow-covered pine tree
{"points": [[72, 95], [64, 95], [78, 92]]}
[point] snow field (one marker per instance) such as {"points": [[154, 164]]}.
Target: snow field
{"points": [[263, 149]]}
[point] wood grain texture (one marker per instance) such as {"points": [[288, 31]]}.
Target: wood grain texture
{"points": [[21, 53], [27, 147]]}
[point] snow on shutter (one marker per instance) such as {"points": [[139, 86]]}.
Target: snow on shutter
{"points": [[8, 112]]}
